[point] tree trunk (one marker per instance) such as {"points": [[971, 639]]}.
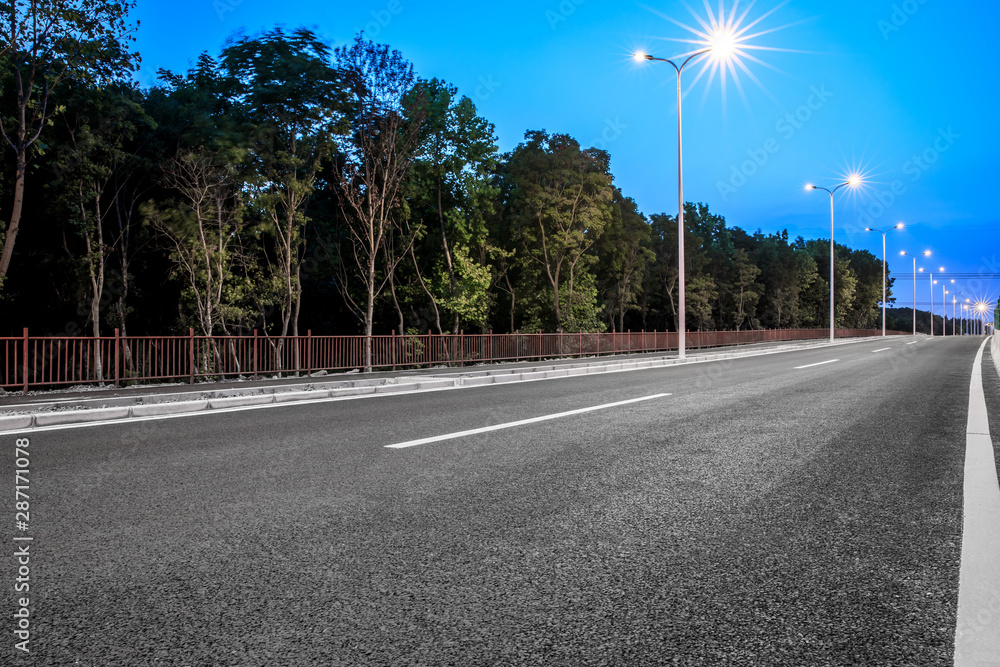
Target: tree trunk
{"points": [[15, 217]]}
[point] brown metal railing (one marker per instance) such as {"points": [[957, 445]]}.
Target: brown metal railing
{"points": [[27, 361]]}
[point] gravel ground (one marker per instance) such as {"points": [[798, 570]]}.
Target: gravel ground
{"points": [[760, 515]]}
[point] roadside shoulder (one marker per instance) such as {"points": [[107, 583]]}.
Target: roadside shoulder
{"points": [[991, 390]]}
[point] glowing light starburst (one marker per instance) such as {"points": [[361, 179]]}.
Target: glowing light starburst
{"points": [[727, 37]]}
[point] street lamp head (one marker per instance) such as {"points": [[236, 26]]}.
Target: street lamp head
{"points": [[810, 186], [640, 56], [722, 43], [920, 270], [927, 253], [854, 180], [941, 269], [899, 226]]}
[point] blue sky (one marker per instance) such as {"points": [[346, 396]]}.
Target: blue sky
{"points": [[903, 90]]}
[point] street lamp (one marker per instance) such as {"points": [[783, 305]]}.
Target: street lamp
{"points": [[933, 283], [926, 253], [883, 232], [853, 181], [954, 313], [944, 308], [723, 44]]}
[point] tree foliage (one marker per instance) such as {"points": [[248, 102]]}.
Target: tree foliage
{"points": [[284, 184]]}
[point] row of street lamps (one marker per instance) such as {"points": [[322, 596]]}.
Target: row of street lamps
{"points": [[722, 44]]}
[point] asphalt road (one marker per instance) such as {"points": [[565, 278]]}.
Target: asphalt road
{"points": [[758, 515]]}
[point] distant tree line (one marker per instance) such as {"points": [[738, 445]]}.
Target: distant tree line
{"points": [[284, 185]]}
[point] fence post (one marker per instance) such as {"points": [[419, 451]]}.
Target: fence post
{"points": [[517, 346], [309, 351], [25, 361], [191, 354], [254, 354], [461, 348], [118, 340], [393, 349]]}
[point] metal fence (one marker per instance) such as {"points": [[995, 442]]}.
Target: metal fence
{"points": [[29, 361]]}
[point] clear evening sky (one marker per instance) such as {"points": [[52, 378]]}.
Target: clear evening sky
{"points": [[904, 91]]}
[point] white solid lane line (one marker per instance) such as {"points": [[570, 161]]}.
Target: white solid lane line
{"points": [[881, 350], [533, 420], [822, 363], [977, 641]]}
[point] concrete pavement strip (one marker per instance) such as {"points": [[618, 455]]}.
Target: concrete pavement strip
{"points": [[977, 641], [19, 417]]}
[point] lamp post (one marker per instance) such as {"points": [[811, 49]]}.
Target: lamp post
{"points": [[954, 313], [944, 306], [926, 253], [944, 309], [883, 232], [933, 283], [852, 181], [722, 43]]}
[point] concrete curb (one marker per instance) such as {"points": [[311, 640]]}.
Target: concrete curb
{"points": [[976, 639], [164, 405]]}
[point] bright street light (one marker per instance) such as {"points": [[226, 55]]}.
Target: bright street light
{"points": [[932, 284], [944, 306], [926, 253], [883, 232], [852, 181], [725, 41]]}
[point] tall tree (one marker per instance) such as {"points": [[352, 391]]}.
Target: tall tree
{"points": [[90, 154], [202, 228], [624, 257], [450, 193], [374, 160], [42, 43], [290, 100], [561, 206]]}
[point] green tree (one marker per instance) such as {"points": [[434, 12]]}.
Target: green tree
{"points": [[786, 272], [623, 259], [41, 45], [560, 207], [202, 227], [746, 289], [370, 173], [291, 103], [450, 190], [90, 154]]}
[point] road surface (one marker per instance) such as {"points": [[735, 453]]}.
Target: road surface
{"points": [[791, 509]]}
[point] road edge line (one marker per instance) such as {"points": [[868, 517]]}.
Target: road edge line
{"points": [[977, 641]]}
